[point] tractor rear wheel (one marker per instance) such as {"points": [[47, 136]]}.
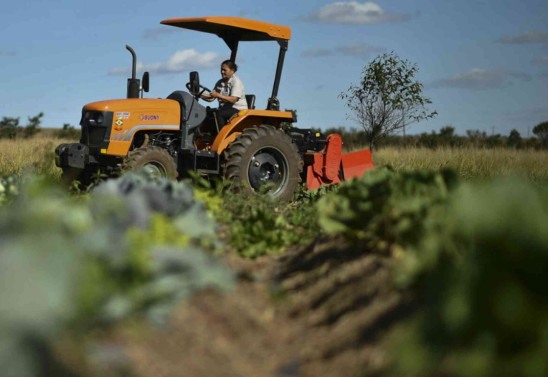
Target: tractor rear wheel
{"points": [[264, 159], [155, 160]]}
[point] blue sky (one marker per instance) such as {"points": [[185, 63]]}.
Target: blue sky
{"points": [[484, 64]]}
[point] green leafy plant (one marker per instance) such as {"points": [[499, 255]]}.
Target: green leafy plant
{"points": [[131, 247], [384, 208], [9, 187], [479, 275], [257, 225]]}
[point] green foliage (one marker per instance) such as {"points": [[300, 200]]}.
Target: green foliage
{"points": [[9, 187], [152, 214], [445, 137], [480, 271], [473, 257], [541, 131], [37, 291], [514, 139], [387, 97], [33, 126], [384, 208], [68, 132], [257, 225], [131, 247], [10, 128]]}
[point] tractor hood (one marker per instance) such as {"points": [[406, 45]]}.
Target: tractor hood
{"points": [[137, 111]]}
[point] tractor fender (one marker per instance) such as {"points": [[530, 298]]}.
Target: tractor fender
{"points": [[246, 119]]}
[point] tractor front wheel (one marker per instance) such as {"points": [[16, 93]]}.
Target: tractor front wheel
{"points": [[156, 161], [264, 159]]}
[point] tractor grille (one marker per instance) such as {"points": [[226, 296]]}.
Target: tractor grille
{"points": [[96, 126]]}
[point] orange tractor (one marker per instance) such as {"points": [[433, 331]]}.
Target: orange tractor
{"points": [[258, 149]]}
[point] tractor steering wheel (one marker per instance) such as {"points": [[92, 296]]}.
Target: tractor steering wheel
{"points": [[204, 89]]}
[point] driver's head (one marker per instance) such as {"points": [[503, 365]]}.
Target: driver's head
{"points": [[228, 68]]}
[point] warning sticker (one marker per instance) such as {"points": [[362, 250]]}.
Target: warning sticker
{"points": [[122, 114]]}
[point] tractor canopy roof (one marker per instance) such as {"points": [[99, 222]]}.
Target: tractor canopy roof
{"points": [[233, 28]]}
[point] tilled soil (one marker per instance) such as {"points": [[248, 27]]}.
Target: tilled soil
{"points": [[318, 311]]}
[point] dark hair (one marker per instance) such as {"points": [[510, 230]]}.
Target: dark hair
{"points": [[230, 65]]}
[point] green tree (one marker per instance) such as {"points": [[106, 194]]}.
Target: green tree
{"points": [[8, 127], [541, 131], [33, 125], [388, 98], [514, 139], [447, 136], [68, 132]]}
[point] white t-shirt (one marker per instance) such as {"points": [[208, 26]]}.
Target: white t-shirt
{"points": [[234, 87]]}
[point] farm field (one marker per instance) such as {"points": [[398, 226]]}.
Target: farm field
{"points": [[469, 163], [408, 271]]}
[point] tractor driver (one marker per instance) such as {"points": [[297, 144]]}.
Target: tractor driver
{"points": [[229, 90]]}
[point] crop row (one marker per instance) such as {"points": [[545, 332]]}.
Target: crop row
{"points": [[472, 255]]}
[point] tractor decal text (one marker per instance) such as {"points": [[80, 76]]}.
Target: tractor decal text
{"points": [[148, 117]]}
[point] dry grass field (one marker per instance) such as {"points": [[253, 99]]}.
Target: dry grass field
{"points": [[29, 155], [37, 155], [470, 163]]}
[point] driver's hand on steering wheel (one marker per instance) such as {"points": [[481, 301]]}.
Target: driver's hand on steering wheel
{"points": [[208, 96]]}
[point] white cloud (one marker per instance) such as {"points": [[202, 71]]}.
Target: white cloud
{"points": [[360, 50], [479, 79], [184, 60], [529, 37], [354, 12]]}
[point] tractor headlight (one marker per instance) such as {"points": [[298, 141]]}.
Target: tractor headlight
{"points": [[99, 118], [94, 118]]}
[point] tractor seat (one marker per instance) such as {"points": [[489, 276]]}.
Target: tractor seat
{"points": [[250, 99]]}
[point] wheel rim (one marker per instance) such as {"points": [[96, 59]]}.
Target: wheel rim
{"points": [[268, 167], [155, 169]]}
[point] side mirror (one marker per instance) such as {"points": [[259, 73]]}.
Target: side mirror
{"points": [[145, 82], [194, 83]]}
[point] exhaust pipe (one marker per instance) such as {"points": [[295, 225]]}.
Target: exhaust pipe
{"points": [[133, 84]]}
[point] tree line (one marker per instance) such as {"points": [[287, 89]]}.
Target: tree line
{"points": [[446, 137], [10, 128]]}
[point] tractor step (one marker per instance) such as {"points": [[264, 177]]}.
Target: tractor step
{"points": [[201, 161]]}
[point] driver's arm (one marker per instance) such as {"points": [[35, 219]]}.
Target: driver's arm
{"points": [[229, 99], [207, 97]]}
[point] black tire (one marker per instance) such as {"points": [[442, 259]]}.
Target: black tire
{"points": [[156, 160], [264, 155]]}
